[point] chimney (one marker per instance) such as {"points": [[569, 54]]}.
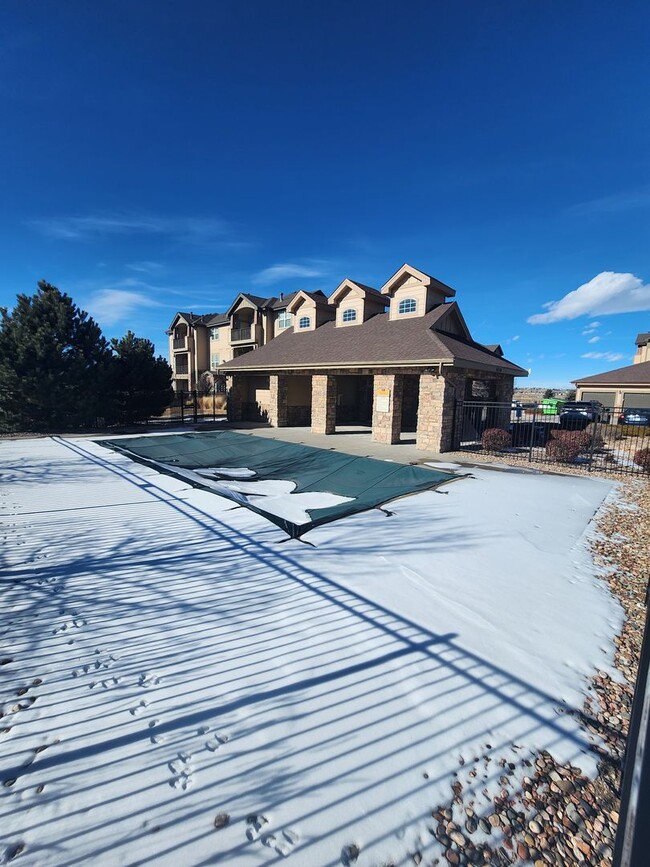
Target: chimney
{"points": [[281, 296]]}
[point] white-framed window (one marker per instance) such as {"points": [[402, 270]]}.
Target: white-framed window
{"points": [[214, 334], [215, 358], [349, 315], [304, 322], [285, 319], [408, 305]]}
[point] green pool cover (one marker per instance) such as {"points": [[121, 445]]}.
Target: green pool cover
{"points": [[367, 481]]}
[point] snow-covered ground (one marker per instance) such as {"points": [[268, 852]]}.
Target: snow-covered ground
{"points": [[170, 659]]}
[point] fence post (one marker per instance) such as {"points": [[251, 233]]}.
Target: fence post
{"points": [[532, 436], [195, 405], [214, 404], [182, 407]]}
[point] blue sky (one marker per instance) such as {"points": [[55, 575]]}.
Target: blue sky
{"points": [[159, 156]]}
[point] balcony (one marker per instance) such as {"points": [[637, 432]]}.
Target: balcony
{"points": [[181, 344], [239, 335], [182, 371]]}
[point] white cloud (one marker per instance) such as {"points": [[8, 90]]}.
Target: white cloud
{"points": [[609, 356], [110, 306], [594, 339], [516, 337], [286, 271], [197, 229], [587, 331], [594, 324], [608, 292]]}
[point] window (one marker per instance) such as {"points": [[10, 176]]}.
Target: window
{"points": [[285, 319], [408, 305], [214, 334], [349, 315], [305, 322], [214, 360]]}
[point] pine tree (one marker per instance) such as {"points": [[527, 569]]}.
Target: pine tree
{"points": [[54, 364], [141, 382]]}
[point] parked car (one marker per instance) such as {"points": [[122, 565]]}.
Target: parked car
{"points": [[576, 415], [635, 416]]}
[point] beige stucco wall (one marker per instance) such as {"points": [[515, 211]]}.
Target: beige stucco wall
{"points": [[642, 354]]}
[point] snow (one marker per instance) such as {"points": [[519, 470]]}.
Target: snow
{"points": [[193, 661]]}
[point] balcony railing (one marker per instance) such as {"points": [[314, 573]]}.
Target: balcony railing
{"points": [[179, 343], [182, 371], [239, 334]]}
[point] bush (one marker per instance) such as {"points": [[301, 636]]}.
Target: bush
{"points": [[580, 439], [564, 449], [495, 439], [595, 432], [642, 458]]}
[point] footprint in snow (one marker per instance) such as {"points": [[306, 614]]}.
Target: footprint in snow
{"points": [[183, 772], [139, 708], [283, 843], [148, 679], [255, 823], [155, 738], [215, 742]]}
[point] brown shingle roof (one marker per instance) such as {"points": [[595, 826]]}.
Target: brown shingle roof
{"points": [[377, 342], [633, 374]]}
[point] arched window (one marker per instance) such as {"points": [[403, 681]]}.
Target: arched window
{"points": [[304, 322], [349, 315], [408, 305]]}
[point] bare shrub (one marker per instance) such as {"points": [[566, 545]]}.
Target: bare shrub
{"points": [[495, 439]]}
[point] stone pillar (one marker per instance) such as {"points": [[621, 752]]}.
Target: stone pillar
{"points": [[505, 386], [323, 404], [234, 399], [436, 407], [388, 390], [278, 387]]}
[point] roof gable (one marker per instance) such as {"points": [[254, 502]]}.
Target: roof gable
{"points": [[346, 285], [407, 272]]}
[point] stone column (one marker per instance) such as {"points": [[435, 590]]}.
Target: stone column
{"points": [[504, 389], [436, 410], [323, 404], [388, 390], [278, 387], [234, 398]]}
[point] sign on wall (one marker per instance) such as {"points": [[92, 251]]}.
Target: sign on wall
{"points": [[382, 400]]}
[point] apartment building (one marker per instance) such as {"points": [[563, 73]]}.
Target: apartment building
{"points": [[200, 343]]}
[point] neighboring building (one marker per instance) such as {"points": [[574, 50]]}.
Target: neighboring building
{"points": [[627, 387], [398, 359], [200, 344]]}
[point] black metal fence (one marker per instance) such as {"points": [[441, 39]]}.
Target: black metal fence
{"points": [[191, 407], [613, 439]]}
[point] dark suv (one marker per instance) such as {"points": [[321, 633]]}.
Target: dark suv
{"points": [[578, 414]]}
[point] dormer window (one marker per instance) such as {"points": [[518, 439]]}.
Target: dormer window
{"points": [[349, 315], [408, 305], [305, 322], [285, 319]]}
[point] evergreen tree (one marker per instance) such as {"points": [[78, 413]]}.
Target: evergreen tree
{"points": [[140, 382], [53, 364], [549, 393]]}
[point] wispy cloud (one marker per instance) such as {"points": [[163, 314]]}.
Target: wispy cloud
{"points": [[630, 200], [594, 339], [288, 271], [608, 356], [594, 324], [145, 267], [80, 228], [608, 292], [111, 306]]}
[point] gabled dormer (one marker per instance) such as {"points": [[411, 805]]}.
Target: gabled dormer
{"points": [[309, 310], [414, 293], [356, 303]]}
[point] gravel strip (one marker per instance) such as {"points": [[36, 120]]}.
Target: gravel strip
{"points": [[547, 813]]}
